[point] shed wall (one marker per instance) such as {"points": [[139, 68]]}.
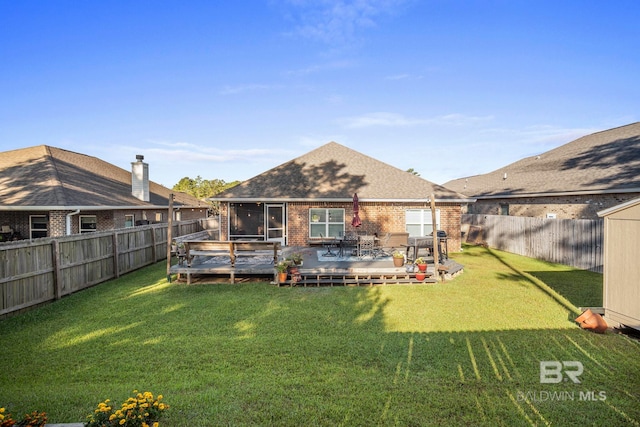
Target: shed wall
{"points": [[621, 267]]}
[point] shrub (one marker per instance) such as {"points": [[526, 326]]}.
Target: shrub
{"points": [[141, 410], [34, 419]]}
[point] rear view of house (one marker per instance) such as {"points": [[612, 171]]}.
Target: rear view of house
{"points": [[312, 197]]}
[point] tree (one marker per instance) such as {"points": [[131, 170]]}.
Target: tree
{"points": [[413, 171], [203, 188]]}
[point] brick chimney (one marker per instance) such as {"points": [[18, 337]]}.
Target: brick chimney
{"points": [[140, 179]]}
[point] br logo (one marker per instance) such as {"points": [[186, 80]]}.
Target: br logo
{"points": [[553, 372]]}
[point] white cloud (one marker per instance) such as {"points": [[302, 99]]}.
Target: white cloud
{"points": [[398, 120], [318, 68], [234, 90], [399, 77], [333, 21]]}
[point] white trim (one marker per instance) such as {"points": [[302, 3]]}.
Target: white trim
{"points": [[335, 200], [558, 194], [93, 208]]}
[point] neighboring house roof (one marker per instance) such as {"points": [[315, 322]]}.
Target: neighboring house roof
{"points": [[603, 162], [44, 177], [618, 208], [334, 172]]}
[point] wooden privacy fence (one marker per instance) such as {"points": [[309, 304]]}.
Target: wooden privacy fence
{"points": [[574, 242], [41, 270]]}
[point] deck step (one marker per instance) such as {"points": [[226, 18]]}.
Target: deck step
{"points": [[342, 279]]}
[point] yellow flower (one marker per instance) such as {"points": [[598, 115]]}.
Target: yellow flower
{"points": [[122, 421], [112, 417], [161, 406], [156, 424], [159, 397]]}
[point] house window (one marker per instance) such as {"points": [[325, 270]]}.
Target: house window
{"points": [[328, 222], [129, 220], [88, 223], [38, 226], [178, 216], [158, 216], [246, 220], [419, 222], [504, 209]]}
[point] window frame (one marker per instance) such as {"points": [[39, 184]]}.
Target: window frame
{"points": [[44, 231], [330, 220], [424, 223], [82, 229]]}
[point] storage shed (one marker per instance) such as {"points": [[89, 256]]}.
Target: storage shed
{"points": [[622, 263]]}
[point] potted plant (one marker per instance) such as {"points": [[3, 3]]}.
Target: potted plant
{"points": [[398, 258], [421, 263], [296, 258], [282, 268], [421, 275]]}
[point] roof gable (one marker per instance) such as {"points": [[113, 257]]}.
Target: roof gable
{"points": [[605, 161], [46, 176], [334, 171]]}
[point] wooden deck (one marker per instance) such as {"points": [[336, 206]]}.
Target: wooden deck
{"points": [[312, 272]]}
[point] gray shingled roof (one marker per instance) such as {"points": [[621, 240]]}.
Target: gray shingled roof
{"points": [[44, 176], [335, 172], [607, 161]]}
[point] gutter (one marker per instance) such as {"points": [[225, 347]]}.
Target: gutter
{"points": [[94, 208], [556, 194], [336, 200], [68, 224]]}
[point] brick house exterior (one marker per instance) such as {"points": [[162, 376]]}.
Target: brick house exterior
{"points": [[573, 181], [327, 178], [49, 192]]}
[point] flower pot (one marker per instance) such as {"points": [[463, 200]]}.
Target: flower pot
{"points": [[398, 262], [421, 275], [422, 267], [282, 277], [592, 321]]}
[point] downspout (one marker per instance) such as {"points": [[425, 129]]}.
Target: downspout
{"points": [[69, 215]]}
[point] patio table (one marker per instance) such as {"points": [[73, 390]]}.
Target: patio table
{"points": [[328, 243]]}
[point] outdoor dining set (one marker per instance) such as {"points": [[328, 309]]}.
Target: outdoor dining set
{"points": [[361, 244]]}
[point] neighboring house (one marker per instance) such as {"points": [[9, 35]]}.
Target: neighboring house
{"points": [[49, 192], [573, 181], [296, 202]]}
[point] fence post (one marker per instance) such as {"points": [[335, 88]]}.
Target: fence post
{"points": [[116, 256], [57, 282]]}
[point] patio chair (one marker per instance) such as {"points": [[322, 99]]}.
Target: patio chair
{"points": [[348, 243], [382, 247], [366, 246]]}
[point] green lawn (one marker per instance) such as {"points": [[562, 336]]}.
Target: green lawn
{"points": [[463, 352]]}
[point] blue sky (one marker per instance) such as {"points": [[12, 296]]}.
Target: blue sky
{"points": [[230, 89]]}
